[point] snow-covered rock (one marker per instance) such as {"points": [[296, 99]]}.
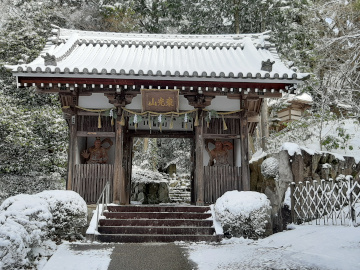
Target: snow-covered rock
{"points": [[270, 167], [243, 213]]}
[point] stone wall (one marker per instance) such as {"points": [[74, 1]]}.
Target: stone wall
{"points": [[299, 166]]}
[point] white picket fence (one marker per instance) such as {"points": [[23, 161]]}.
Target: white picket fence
{"points": [[326, 202]]}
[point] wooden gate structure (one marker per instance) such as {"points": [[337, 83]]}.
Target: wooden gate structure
{"points": [[120, 86]]}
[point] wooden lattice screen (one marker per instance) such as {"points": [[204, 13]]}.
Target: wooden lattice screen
{"points": [[90, 179], [327, 202]]}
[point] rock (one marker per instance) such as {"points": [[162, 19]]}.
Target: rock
{"points": [[270, 168], [150, 192], [171, 170], [257, 182], [349, 165], [297, 167]]}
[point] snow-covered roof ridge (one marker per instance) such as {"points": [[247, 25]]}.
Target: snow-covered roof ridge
{"points": [[240, 57], [260, 40]]}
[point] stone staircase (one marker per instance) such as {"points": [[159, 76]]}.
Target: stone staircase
{"points": [[135, 224], [179, 194]]}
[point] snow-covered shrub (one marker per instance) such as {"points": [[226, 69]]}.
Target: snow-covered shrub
{"points": [[27, 222], [243, 213], [270, 168], [69, 213], [14, 240], [24, 225]]}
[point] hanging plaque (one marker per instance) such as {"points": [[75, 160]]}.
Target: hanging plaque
{"points": [[156, 100]]}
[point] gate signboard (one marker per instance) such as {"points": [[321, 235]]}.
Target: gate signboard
{"points": [[156, 100]]}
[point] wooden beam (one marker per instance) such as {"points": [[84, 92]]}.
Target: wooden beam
{"points": [[265, 95], [199, 150], [221, 136], [155, 82], [95, 134], [254, 119], [159, 134]]}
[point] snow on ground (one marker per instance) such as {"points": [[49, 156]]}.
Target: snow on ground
{"points": [[80, 257], [305, 247]]}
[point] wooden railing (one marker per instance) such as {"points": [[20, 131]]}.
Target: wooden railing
{"points": [[219, 179], [90, 179]]}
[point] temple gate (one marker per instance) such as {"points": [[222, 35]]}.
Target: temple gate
{"points": [[114, 87]]}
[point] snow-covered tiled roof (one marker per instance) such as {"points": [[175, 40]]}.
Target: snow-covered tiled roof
{"points": [[244, 57]]}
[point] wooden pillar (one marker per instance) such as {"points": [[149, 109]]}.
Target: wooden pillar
{"points": [[264, 124], [72, 151], [244, 133], [128, 175], [118, 181], [199, 150], [125, 188], [192, 177]]}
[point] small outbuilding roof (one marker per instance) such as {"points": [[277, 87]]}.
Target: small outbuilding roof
{"points": [[238, 58]]}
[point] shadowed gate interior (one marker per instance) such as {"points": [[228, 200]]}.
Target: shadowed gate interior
{"points": [[162, 170], [221, 169]]}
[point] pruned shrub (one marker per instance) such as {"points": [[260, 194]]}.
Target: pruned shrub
{"points": [[27, 222], [69, 213], [243, 214]]}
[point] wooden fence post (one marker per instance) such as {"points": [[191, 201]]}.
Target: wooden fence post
{"points": [[351, 201], [292, 189]]}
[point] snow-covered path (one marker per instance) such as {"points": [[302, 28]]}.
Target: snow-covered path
{"points": [[305, 247], [80, 257]]}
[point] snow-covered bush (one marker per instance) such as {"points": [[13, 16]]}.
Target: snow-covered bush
{"points": [[243, 213], [270, 168], [24, 220], [14, 248], [28, 221], [69, 213]]}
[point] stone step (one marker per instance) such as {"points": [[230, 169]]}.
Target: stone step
{"points": [[156, 222], [160, 208], [180, 195], [160, 223], [156, 230], [141, 238], [156, 215]]}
